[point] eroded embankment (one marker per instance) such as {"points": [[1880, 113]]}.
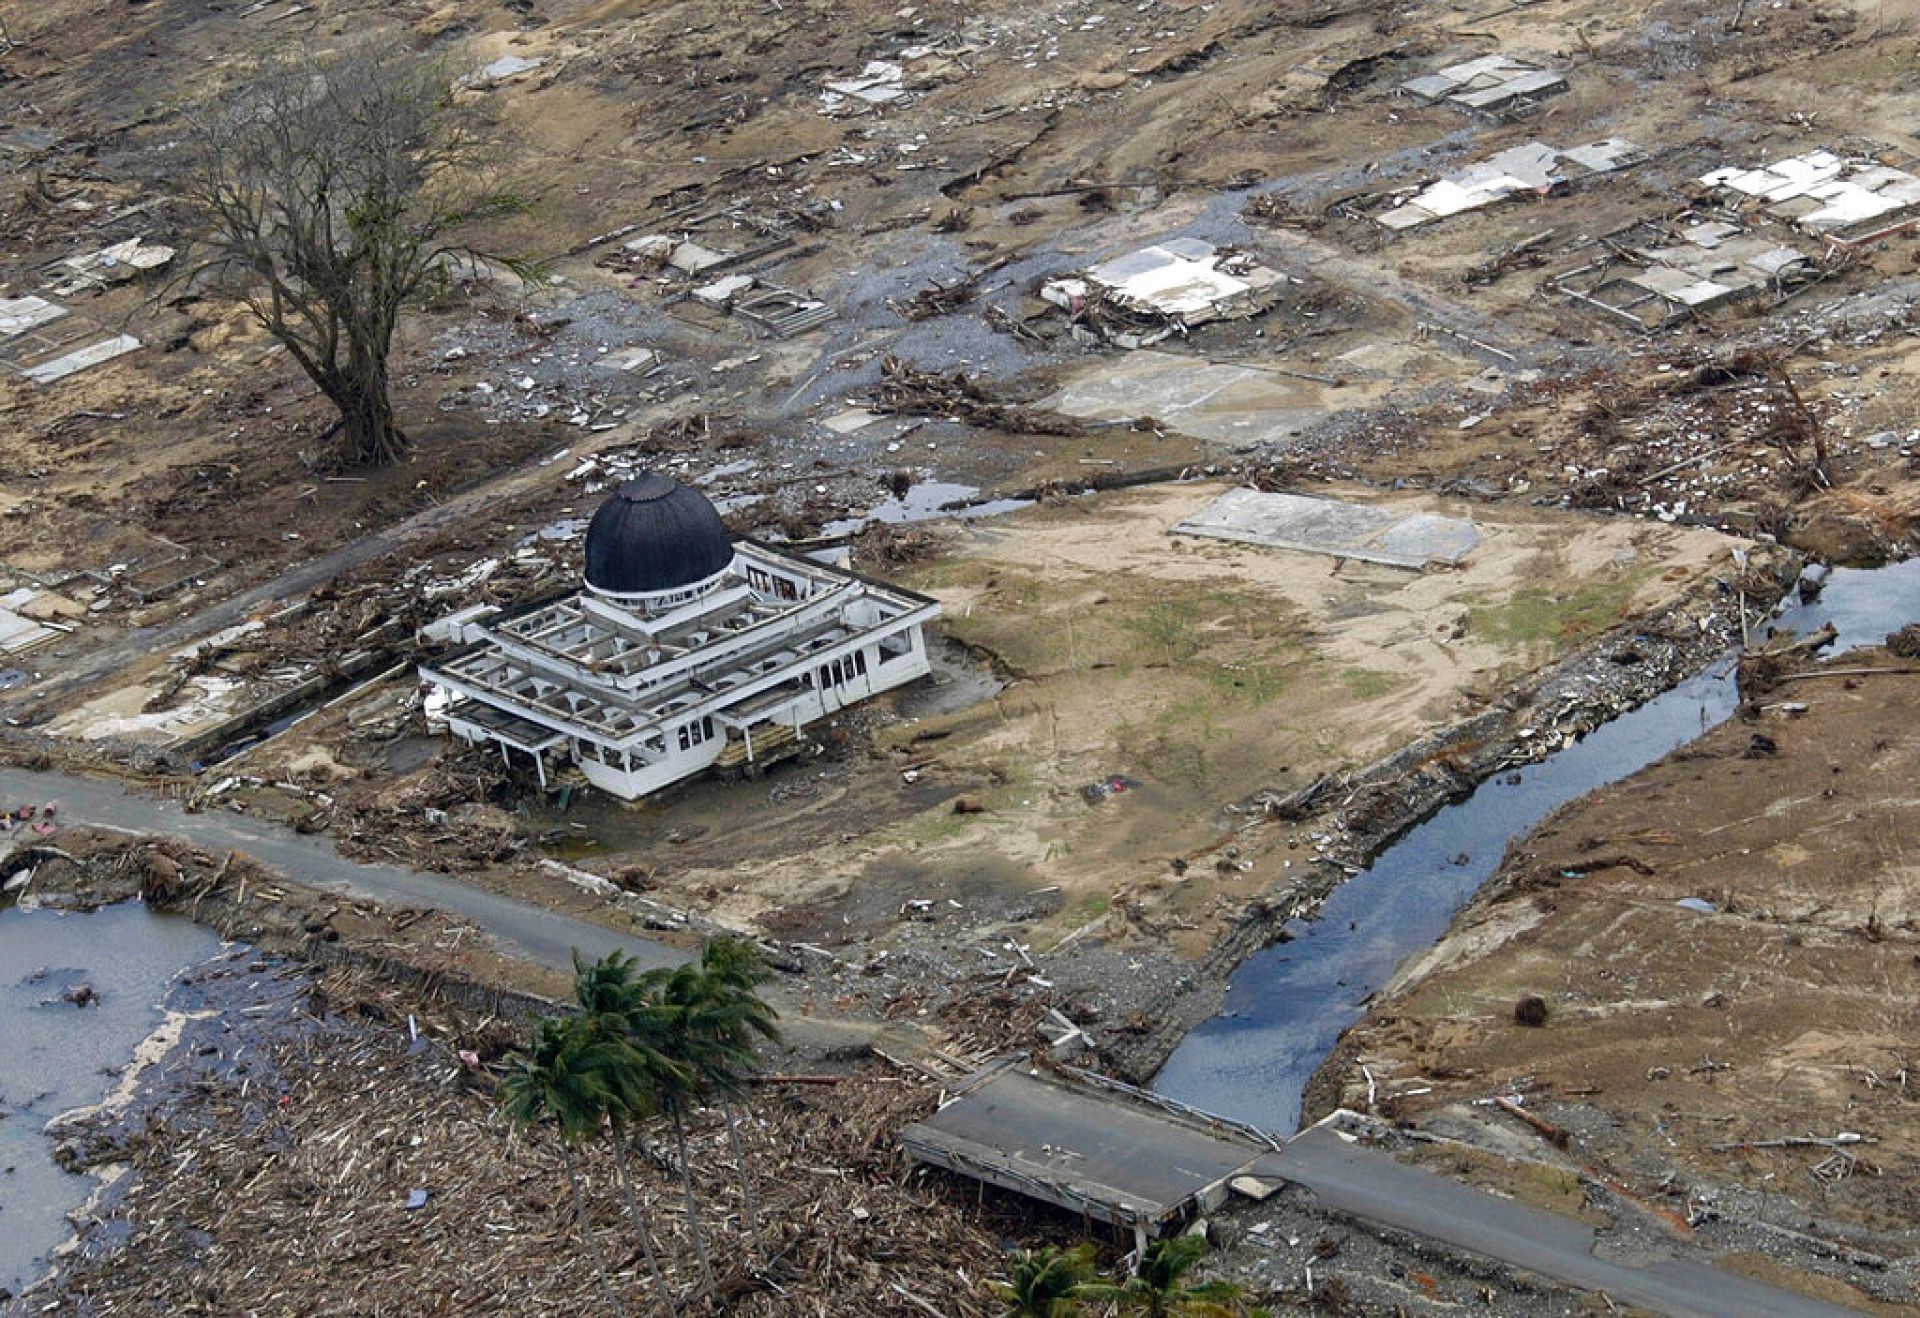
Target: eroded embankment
{"points": [[1720, 950], [1357, 816]]}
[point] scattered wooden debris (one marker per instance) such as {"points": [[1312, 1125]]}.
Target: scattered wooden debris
{"points": [[908, 390]]}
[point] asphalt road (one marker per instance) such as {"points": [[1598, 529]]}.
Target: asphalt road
{"points": [[1372, 1185], [1342, 1176], [541, 936]]}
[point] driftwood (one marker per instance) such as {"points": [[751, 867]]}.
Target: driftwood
{"points": [[1761, 669], [260, 1179], [1555, 1135], [907, 390]]}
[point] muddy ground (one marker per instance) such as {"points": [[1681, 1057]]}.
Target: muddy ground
{"points": [[1722, 946], [1207, 695], [243, 1134]]}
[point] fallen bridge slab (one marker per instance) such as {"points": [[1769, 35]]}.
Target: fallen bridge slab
{"points": [[1085, 1143]]}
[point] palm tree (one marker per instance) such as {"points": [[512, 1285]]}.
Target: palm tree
{"points": [[569, 1078], [1046, 1282], [1158, 1287], [703, 1018], [677, 1100], [733, 1013], [605, 991]]}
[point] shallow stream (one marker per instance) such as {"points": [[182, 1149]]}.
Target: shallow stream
{"points": [[1287, 1005]]}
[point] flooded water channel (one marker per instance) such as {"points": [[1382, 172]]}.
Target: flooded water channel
{"points": [[1288, 1005], [56, 1056]]}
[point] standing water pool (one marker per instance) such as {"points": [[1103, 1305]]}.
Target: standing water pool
{"points": [[55, 1055]]}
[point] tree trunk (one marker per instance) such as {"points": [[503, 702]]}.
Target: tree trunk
{"points": [[586, 1234], [374, 438], [640, 1224], [693, 1208], [748, 1199]]}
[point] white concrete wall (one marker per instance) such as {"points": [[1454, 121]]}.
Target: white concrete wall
{"points": [[804, 708]]}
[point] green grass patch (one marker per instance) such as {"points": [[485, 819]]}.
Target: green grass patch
{"points": [[1536, 616], [1371, 683]]}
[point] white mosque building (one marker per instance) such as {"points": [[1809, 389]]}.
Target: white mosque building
{"points": [[685, 651]]}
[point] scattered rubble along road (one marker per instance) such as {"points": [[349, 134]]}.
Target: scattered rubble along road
{"points": [[122, 653], [1349, 1179]]}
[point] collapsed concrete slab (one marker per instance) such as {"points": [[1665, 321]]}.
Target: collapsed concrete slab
{"points": [[1335, 528], [1657, 272], [72, 363], [879, 83], [897, 78], [706, 242], [1842, 199], [20, 314], [682, 254], [507, 68], [1145, 296], [20, 634], [780, 311], [115, 264], [1529, 168], [44, 342], [1491, 84], [1219, 402]]}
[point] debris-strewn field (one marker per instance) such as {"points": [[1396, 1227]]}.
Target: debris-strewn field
{"points": [[317, 1161], [994, 301], [1720, 954]]}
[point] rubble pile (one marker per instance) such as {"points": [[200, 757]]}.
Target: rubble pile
{"points": [[1144, 297], [435, 818], [909, 390], [262, 1147], [1708, 434]]}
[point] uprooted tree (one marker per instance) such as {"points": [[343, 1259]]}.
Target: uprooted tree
{"points": [[333, 190]]}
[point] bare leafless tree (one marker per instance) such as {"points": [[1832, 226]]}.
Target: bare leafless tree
{"points": [[334, 190]]}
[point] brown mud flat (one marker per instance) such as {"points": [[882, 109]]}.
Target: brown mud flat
{"points": [[1746, 1067], [1030, 142]]}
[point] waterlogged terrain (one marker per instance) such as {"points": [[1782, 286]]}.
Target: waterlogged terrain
{"points": [[56, 1055], [1289, 1004]]}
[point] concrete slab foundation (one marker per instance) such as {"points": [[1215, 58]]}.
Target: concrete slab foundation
{"points": [[1334, 528], [1237, 406]]}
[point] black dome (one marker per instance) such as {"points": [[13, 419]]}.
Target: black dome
{"points": [[655, 534]]}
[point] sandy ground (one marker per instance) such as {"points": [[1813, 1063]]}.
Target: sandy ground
{"points": [[1677, 1044], [1101, 647], [950, 824], [662, 117]]}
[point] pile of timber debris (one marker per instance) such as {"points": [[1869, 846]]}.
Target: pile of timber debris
{"points": [[907, 390], [347, 1168]]}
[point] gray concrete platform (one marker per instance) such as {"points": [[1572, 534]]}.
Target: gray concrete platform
{"points": [[1239, 407], [1333, 527], [1117, 1154]]}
